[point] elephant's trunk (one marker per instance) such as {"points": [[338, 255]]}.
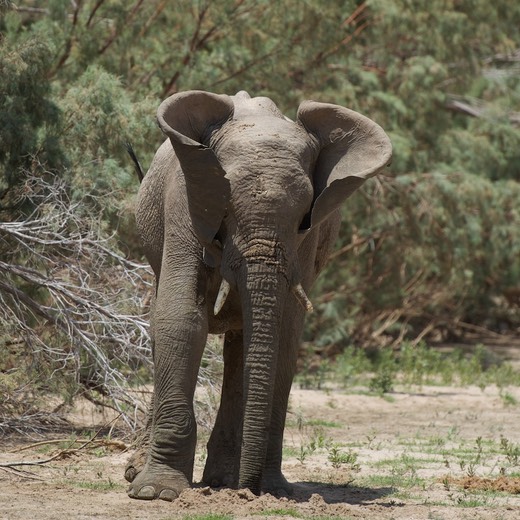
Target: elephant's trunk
{"points": [[263, 299]]}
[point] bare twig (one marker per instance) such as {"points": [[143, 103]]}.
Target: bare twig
{"points": [[101, 442], [60, 273], [67, 452], [94, 295], [21, 473], [477, 108]]}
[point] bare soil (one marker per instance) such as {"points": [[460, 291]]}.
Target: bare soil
{"points": [[414, 454]]}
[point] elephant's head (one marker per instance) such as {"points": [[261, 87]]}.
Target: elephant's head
{"points": [[257, 183]]}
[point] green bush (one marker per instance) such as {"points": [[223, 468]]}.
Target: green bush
{"points": [[422, 249]]}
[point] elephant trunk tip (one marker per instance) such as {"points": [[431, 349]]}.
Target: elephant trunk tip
{"points": [[301, 296]]}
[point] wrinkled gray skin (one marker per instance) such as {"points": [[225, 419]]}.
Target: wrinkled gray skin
{"points": [[239, 192]]}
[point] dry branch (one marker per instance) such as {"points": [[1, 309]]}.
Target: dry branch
{"points": [[80, 285], [477, 108], [67, 452]]}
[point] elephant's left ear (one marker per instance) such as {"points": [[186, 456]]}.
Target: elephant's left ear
{"points": [[188, 119], [352, 149]]}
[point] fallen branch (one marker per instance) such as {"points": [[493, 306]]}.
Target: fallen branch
{"points": [[69, 451], [98, 443], [21, 473], [477, 108]]}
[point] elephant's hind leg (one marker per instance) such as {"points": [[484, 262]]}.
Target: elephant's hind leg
{"points": [[224, 444]]}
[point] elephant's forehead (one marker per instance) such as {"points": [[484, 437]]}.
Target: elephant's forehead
{"points": [[264, 142], [246, 106], [263, 129]]}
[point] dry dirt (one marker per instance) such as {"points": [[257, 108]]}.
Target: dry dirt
{"points": [[418, 457]]}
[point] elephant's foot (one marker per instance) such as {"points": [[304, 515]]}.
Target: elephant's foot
{"points": [[158, 481], [219, 477], [275, 483], [136, 463], [221, 468]]}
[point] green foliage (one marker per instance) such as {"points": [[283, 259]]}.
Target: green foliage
{"points": [[350, 364], [29, 117], [420, 250], [100, 118], [419, 56], [511, 451], [380, 369]]}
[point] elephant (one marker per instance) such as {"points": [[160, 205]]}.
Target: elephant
{"points": [[237, 215]]}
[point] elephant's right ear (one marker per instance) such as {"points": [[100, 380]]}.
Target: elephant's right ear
{"points": [[188, 118]]}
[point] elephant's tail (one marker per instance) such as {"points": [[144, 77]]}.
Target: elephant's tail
{"points": [[137, 164]]}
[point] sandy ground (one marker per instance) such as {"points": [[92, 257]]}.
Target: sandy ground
{"points": [[409, 452]]}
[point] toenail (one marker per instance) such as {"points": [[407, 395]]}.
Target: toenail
{"points": [[147, 493], [168, 494]]}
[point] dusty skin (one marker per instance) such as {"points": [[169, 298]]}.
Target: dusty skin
{"points": [[415, 451]]}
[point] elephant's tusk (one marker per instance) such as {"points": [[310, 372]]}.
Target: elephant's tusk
{"points": [[302, 297], [221, 297]]}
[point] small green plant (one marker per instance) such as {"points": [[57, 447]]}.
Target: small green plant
{"points": [[470, 466], [510, 450], [508, 399], [338, 458], [382, 382], [371, 437], [471, 499], [303, 453], [323, 423], [419, 364], [351, 365], [313, 373], [310, 443], [380, 369], [386, 366]]}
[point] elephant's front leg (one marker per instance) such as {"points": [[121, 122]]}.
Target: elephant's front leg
{"points": [[180, 330]]}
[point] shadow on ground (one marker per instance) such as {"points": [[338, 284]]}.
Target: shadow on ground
{"points": [[340, 494]]}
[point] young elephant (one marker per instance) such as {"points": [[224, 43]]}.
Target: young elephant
{"points": [[237, 214]]}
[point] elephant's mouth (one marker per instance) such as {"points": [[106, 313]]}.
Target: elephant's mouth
{"points": [[225, 287]]}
